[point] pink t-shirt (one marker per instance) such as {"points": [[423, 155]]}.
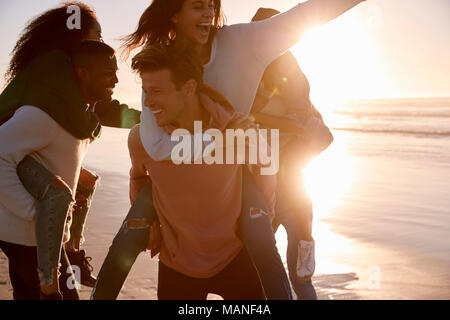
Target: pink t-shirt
{"points": [[198, 205]]}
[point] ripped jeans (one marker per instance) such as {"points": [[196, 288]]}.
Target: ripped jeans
{"points": [[133, 236], [260, 241], [53, 205], [53, 209], [87, 183]]}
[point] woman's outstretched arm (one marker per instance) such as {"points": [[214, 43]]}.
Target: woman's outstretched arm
{"points": [[271, 37]]}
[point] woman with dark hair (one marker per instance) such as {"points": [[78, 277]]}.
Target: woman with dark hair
{"points": [[41, 74], [47, 32], [235, 58], [156, 24], [40, 63]]}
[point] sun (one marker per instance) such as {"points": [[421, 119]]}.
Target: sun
{"points": [[341, 61]]}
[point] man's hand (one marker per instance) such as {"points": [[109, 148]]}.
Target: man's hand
{"points": [[242, 122]]}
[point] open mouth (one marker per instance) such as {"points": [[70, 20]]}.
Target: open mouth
{"points": [[158, 114], [204, 28]]}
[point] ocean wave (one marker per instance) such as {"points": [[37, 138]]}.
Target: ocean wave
{"points": [[393, 114], [443, 102], [397, 131]]}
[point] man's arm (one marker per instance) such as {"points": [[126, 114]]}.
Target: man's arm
{"points": [[262, 144], [138, 174], [116, 115], [277, 123], [139, 178], [284, 78], [28, 131]]}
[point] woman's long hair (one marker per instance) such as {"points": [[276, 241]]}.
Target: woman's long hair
{"points": [[48, 32], [156, 26]]}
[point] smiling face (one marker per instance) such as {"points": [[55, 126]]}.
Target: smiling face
{"points": [[162, 97], [194, 20], [100, 78]]}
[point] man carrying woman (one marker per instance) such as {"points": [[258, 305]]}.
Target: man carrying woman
{"points": [[52, 70], [235, 58], [198, 206], [35, 214]]}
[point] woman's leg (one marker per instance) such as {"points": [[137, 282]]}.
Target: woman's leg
{"points": [[260, 241], [297, 222], [300, 211], [87, 184], [55, 202], [131, 240], [303, 288]]}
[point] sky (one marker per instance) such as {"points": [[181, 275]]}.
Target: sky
{"points": [[380, 49]]}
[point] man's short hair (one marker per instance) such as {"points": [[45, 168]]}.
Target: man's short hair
{"points": [[88, 50], [180, 59]]}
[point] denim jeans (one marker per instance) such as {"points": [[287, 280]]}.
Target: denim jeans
{"points": [[131, 241], [260, 241], [290, 217], [55, 202], [128, 243], [87, 184]]}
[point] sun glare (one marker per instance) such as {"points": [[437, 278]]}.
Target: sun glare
{"points": [[341, 62], [328, 177]]}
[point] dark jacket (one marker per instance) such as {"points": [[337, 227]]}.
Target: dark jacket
{"points": [[49, 83]]}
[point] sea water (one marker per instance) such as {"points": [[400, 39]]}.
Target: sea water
{"points": [[399, 188], [384, 181]]}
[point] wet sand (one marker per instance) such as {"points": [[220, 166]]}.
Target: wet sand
{"points": [[346, 268]]}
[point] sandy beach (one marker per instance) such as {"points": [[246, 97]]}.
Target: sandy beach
{"points": [[347, 273], [381, 203], [358, 270], [378, 74]]}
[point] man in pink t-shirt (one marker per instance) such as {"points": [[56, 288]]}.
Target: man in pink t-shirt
{"points": [[198, 205]]}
